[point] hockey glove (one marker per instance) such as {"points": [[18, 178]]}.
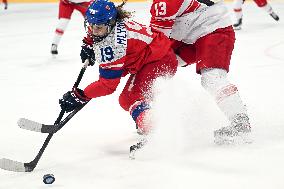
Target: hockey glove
{"points": [[87, 52], [73, 99]]}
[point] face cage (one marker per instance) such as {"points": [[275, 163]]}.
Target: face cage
{"points": [[89, 30]]}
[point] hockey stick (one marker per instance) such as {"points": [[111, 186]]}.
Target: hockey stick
{"points": [[42, 128], [16, 166]]}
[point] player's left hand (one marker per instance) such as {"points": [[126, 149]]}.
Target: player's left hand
{"points": [[73, 99]]}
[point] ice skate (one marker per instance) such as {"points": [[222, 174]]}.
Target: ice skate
{"points": [[140, 144], [142, 140], [238, 25], [274, 16], [144, 128], [5, 6], [237, 133], [54, 49]]}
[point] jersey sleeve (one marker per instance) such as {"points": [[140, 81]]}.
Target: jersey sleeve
{"points": [[160, 18], [107, 83], [163, 14], [144, 46]]}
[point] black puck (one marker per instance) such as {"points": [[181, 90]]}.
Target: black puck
{"points": [[48, 179]]}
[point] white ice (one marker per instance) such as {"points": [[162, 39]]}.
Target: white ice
{"points": [[91, 151]]}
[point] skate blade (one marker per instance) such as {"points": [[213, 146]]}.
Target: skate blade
{"points": [[235, 140]]}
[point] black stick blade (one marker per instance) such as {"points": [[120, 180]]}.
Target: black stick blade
{"points": [[11, 165]]}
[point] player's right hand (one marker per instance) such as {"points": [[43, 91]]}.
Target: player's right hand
{"points": [[87, 52]]}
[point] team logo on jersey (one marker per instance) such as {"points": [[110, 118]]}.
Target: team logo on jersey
{"points": [[107, 8], [93, 11]]}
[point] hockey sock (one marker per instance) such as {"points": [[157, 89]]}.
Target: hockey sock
{"points": [[238, 9], [139, 111], [267, 8], [226, 94], [61, 27]]}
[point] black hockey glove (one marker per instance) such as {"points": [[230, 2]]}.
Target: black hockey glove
{"points": [[73, 99], [87, 52]]}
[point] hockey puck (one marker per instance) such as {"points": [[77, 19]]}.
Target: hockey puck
{"points": [[48, 179]]}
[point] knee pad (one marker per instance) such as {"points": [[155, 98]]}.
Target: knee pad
{"points": [[124, 102]]}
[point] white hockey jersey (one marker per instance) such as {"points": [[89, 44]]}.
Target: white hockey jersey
{"points": [[188, 20], [125, 50]]}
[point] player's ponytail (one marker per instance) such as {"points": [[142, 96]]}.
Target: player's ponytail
{"points": [[121, 13]]}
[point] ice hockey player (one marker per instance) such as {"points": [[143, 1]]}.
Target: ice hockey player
{"points": [[202, 33], [260, 3], [122, 47], [5, 4], [66, 8]]}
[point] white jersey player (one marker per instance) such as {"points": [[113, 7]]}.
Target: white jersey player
{"points": [[202, 33]]}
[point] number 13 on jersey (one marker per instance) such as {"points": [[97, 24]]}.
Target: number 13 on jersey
{"points": [[160, 8]]}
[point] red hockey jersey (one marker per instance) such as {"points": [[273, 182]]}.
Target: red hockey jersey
{"points": [[188, 20]]}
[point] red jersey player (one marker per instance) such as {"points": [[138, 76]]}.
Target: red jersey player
{"points": [[66, 8], [202, 33], [120, 48], [260, 3]]}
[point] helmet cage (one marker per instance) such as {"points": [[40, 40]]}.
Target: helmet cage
{"points": [[89, 28]]}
